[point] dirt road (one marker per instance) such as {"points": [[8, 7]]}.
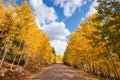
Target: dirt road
{"points": [[58, 72]]}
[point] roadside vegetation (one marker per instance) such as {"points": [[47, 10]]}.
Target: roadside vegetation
{"points": [[95, 46], [24, 49]]}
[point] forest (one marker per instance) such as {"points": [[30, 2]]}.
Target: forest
{"points": [[95, 46], [22, 43], [25, 49]]}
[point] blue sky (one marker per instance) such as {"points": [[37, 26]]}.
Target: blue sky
{"points": [[59, 18], [73, 21]]}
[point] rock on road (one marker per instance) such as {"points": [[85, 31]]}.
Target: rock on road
{"points": [[57, 72]]}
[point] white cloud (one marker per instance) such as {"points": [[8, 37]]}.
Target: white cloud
{"points": [[59, 46], [69, 6], [56, 31], [92, 8], [43, 13], [85, 2], [46, 19]]}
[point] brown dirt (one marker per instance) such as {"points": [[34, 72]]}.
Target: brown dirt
{"points": [[17, 73], [62, 72]]}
